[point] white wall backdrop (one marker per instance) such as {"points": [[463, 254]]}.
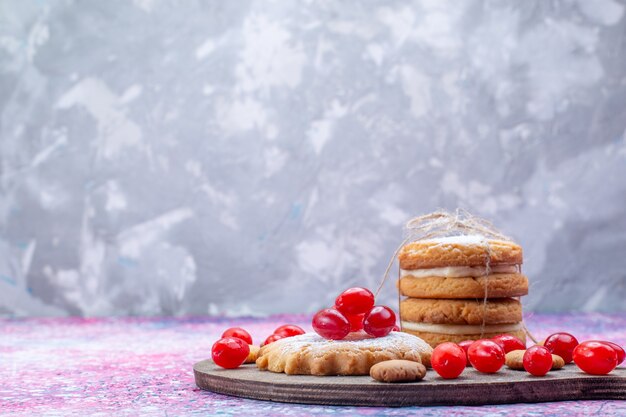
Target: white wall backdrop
{"points": [[252, 157]]}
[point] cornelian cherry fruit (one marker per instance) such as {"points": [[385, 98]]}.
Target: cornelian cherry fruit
{"points": [[621, 355], [289, 330], [537, 360], [239, 333], [596, 358], [509, 342], [356, 300], [561, 344], [379, 321], [465, 345], [356, 322], [331, 324], [272, 338], [448, 360], [230, 352], [486, 356]]}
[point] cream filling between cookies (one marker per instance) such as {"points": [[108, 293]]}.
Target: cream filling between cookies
{"points": [[459, 271], [460, 328]]}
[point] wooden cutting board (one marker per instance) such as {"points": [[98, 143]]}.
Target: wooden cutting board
{"points": [[471, 388]]}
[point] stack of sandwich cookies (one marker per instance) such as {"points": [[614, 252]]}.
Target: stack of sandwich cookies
{"points": [[461, 288]]}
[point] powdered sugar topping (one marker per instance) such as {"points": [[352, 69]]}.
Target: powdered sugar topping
{"points": [[315, 344], [470, 240]]}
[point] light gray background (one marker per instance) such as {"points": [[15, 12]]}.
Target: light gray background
{"points": [[252, 157]]}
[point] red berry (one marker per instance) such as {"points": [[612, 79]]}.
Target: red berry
{"points": [[239, 333], [379, 321], [272, 338], [561, 344], [486, 356], [331, 324], [395, 328], [448, 360], [229, 352], [509, 342], [465, 345], [356, 322], [596, 358], [355, 300], [288, 330], [537, 360], [621, 354]]}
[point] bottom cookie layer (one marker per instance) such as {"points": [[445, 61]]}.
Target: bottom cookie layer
{"points": [[435, 339]]}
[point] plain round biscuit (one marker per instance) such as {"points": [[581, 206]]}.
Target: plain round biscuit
{"points": [[515, 360], [253, 355], [473, 312], [497, 286], [429, 254], [435, 339], [557, 362], [398, 370]]}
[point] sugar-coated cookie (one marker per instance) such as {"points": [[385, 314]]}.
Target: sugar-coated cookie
{"points": [[398, 370], [310, 354]]}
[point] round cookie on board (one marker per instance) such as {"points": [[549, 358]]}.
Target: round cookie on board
{"points": [[310, 354]]}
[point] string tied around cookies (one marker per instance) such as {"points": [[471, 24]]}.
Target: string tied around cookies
{"points": [[442, 223]]}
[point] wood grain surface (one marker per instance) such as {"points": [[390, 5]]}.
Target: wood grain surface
{"points": [[472, 388]]}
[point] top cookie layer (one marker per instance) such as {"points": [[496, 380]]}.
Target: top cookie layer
{"points": [[458, 251]]}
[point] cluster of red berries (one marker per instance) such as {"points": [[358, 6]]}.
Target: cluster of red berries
{"points": [[488, 355], [234, 347], [354, 310]]}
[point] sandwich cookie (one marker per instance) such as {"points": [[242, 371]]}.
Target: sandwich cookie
{"points": [[461, 267], [445, 320]]}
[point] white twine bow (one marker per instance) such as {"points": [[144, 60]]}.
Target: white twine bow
{"points": [[442, 223]]}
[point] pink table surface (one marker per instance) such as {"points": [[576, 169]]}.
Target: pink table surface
{"points": [[143, 366]]}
